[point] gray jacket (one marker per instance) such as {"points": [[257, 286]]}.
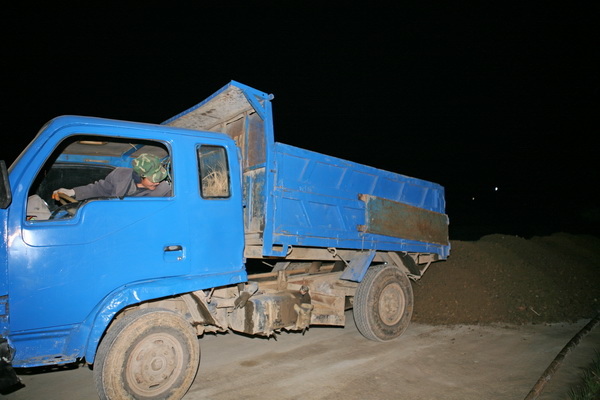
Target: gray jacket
{"points": [[120, 182]]}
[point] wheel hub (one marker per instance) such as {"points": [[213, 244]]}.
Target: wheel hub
{"points": [[391, 304], [154, 363]]}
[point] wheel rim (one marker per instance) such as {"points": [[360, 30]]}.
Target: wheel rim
{"points": [[154, 364], [391, 304]]}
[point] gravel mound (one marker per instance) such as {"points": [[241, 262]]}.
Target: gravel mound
{"points": [[510, 279]]}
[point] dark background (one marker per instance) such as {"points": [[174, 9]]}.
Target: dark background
{"points": [[497, 104]]}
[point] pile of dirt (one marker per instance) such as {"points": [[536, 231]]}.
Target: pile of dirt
{"points": [[510, 279]]}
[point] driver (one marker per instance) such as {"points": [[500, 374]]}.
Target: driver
{"points": [[146, 178]]}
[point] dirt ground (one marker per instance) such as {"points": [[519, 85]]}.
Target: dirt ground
{"points": [[487, 323], [514, 280]]}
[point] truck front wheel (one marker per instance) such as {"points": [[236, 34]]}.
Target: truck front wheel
{"points": [[148, 354], [383, 303]]}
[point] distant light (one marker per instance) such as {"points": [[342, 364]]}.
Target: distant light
{"points": [[473, 198], [496, 189]]}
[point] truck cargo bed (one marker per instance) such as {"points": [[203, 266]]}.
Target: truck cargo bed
{"points": [[300, 198]]}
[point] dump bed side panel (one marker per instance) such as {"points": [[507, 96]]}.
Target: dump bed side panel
{"points": [[325, 201]]}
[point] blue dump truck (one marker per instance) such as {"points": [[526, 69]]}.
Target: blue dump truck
{"points": [[254, 236]]}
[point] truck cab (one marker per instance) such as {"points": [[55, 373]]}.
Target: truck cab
{"points": [[68, 269]]}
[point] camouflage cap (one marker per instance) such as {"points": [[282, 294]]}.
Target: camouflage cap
{"points": [[149, 166]]}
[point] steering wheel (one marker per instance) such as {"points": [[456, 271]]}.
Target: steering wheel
{"points": [[69, 205], [65, 198]]}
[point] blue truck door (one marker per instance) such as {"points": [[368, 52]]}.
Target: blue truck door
{"points": [[62, 269], [215, 210]]}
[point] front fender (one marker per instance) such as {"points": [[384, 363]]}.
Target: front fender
{"points": [[140, 292]]}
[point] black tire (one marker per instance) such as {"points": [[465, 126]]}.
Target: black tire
{"points": [[383, 303], [148, 354]]}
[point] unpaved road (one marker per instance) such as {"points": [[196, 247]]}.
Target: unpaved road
{"points": [[427, 362]]}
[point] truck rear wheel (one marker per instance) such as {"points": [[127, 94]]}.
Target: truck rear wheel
{"points": [[383, 303], [148, 354]]}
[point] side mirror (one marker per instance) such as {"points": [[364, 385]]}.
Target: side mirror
{"points": [[5, 194]]}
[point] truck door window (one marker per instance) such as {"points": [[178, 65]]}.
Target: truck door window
{"points": [[81, 160], [213, 172]]}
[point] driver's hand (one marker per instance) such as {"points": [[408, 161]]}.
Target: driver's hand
{"points": [[68, 192]]}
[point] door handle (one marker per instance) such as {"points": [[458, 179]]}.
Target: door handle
{"points": [[173, 248], [173, 253]]}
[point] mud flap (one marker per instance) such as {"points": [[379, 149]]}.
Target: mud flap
{"points": [[8, 376], [304, 311]]}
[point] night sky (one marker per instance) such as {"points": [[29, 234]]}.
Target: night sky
{"points": [[498, 105]]}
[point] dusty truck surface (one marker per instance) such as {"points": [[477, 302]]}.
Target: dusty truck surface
{"points": [[254, 236]]}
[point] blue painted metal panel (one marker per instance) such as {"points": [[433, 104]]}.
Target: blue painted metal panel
{"points": [[317, 202]]}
